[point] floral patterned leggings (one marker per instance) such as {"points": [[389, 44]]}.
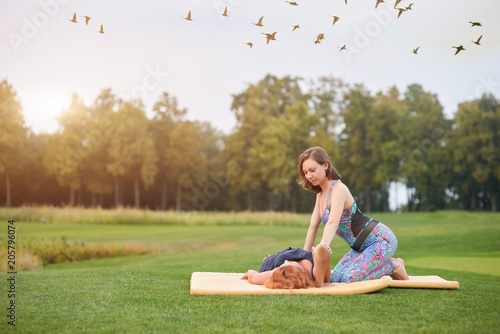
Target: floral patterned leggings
{"points": [[372, 261]]}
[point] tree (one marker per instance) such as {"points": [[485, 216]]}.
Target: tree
{"points": [[253, 109], [385, 132], [132, 150], [166, 115], [97, 136], [475, 145], [283, 139], [12, 136], [68, 148], [187, 165], [424, 140], [356, 144]]}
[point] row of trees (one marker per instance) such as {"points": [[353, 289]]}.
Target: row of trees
{"points": [[110, 154]]}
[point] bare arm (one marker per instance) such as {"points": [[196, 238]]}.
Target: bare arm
{"points": [[255, 277], [337, 201], [313, 227]]}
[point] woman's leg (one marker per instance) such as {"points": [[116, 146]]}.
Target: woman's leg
{"points": [[344, 265], [374, 261], [322, 267]]}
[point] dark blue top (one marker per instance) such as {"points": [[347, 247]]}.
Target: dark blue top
{"points": [[276, 260]]}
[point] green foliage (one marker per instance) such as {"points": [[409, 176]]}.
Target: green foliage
{"points": [[169, 162]]}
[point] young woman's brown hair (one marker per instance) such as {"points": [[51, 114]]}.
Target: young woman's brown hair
{"points": [[321, 157], [291, 277]]}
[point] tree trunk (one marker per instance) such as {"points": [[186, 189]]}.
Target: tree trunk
{"points": [[7, 190], [295, 193], [385, 198], [164, 196], [368, 201], [270, 200], [93, 199], [494, 201], [71, 196], [178, 197], [411, 198], [137, 195], [249, 200], [117, 192], [473, 197], [79, 196]]}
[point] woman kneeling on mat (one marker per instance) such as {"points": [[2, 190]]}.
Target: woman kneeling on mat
{"points": [[293, 269], [373, 244]]}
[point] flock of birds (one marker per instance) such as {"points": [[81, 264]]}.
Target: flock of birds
{"points": [[87, 19], [320, 37]]}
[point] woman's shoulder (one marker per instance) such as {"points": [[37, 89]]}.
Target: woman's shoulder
{"points": [[339, 186]]}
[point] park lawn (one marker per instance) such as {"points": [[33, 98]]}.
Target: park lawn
{"points": [[150, 293]]}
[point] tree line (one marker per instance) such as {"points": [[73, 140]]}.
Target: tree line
{"points": [[110, 154]]}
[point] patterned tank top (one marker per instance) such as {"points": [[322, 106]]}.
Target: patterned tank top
{"points": [[352, 221]]}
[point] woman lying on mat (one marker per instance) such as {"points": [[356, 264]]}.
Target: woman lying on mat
{"points": [[373, 244], [293, 269]]}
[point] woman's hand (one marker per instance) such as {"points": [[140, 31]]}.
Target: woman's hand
{"points": [[248, 273]]}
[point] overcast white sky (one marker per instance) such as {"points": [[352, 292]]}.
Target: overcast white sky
{"points": [[148, 48]]}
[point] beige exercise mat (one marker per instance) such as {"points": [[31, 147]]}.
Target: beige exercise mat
{"points": [[425, 282], [211, 283]]}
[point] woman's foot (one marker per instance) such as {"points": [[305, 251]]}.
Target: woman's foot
{"points": [[400, 271], [322, 253]]}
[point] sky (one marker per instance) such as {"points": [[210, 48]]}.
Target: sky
{"points": [[148, 48]]}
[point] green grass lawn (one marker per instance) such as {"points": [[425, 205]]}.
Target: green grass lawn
{"points": [[150, 293]]}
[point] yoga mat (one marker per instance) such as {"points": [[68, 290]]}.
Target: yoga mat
{"points": [[424, 282], [212, 283]]}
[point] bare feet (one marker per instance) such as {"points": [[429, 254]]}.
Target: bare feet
{"points": [[322, 252], [400, 272]]}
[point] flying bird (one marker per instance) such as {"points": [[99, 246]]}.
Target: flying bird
{"points": [[259, 24], [319, 38], [335, 19], [87, 19], [409, 6], [378, 2], [401, 10], [101, 31], [475, 24], [250, 44], [225, 12], [459, 48], [293, 3], [416, 50], [343, 47], [270, 37], [188, 17], [477, 42], [295, 27], [74, 19]]}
